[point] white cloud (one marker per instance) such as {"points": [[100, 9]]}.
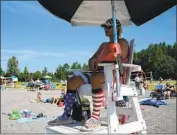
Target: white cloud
{"points": [[18, 51], [31, 54], [11, 9], [27, 57]]}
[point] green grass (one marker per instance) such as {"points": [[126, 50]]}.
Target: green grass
{"points": [[58, 86], [151, 85]]}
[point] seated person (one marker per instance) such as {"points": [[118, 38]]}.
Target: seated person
{"points": [[158, 93], [145, 85], [95, 78], [159, 88], [168, 90]]}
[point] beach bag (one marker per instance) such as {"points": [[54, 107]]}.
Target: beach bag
{"points": [[77, 111], [81, 109], [86, 113], [15, 115]]}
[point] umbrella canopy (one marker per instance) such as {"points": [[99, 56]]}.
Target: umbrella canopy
{"points": [[2, 77], [82, 12], [46, 77]]}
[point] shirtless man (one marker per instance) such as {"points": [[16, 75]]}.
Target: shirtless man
{"points": [[96, 79]]}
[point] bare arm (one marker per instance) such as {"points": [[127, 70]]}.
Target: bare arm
{"points": [[92, 60], [98, 51]]}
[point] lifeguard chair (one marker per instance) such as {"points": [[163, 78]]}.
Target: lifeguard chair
{"points": [[135, 125]]}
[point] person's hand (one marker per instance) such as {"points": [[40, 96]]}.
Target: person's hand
{"points": [[93, 65]]}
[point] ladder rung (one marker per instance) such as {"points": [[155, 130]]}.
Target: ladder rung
{"points": [[132, 127], [128, 91]]}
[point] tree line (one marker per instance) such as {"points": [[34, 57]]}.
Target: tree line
{"points": [[61, 72], [160, 59]]}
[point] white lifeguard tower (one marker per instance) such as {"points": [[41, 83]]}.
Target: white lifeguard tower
{"points": [[136, 123]]}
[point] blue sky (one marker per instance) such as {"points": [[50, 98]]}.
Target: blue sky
{"points": [[38, 39]]}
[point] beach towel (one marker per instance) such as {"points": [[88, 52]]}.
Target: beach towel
{"points": [[25, 120], [28, 120], [152, 102], [32, 118]]}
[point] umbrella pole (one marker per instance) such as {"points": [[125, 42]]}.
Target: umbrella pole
{"points": [[114, 21], [115, 42]]}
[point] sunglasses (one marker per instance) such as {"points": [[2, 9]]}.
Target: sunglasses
{"points": [[107, 28]]}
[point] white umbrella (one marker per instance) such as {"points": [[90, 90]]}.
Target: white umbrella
{"points": [[85, 12], [2, 77], [46, 77]]}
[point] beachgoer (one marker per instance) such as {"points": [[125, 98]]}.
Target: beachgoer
{"points": [[137, 81], [168, 90]]}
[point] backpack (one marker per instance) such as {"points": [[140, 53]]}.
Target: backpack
{"points": [[81, 109]]}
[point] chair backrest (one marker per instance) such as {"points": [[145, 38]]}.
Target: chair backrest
{"points": [[130, 61]]}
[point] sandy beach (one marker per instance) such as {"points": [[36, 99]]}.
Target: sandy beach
{"points": [[158, 120]]}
